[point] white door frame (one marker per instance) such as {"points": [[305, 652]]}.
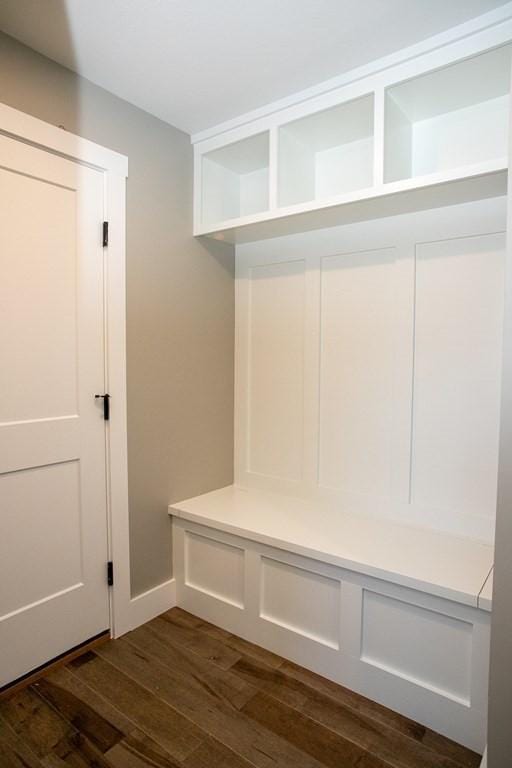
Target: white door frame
{"points": [[114, 167]]}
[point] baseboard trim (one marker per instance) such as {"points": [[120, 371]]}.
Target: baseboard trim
{"points": [[151, 603]]}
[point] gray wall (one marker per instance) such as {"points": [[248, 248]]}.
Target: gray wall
{"points": [[180, 303]]}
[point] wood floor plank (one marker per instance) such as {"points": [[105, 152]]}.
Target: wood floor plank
{"points": [[205, 646], [228, 687], [301, 680], [137, 750], [35, 722], [273, 681], [75, 752], [14, 751], [376, 728], [327, 703], [173, 732], [247, 648], [213, 753], [398, 750], [66, 680], [243, 735], [183, 618], [463, 756], [327, 747], [182, 693], [377, 738], [443, 746], [196, 628], [353, 700], [87, 721]]}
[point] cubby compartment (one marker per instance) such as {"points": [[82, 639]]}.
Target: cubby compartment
{"points": [[235, 180], [326, 154], [450, 118]]}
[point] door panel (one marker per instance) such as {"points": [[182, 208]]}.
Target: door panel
{"points": [[53, 524]]}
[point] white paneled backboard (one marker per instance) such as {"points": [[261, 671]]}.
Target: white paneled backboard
{"points": [[368, 362]]}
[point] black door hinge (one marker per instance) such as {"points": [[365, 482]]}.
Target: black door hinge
{"points": [[110, 573], [105, 234], [106, 405]]}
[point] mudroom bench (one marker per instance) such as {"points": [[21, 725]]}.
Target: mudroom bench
{"points": [[397, 613]]}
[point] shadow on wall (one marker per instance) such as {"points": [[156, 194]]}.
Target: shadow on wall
{"points": [[180, 290]]}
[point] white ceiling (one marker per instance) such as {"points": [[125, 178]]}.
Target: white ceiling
{"points": [[196, 63]]}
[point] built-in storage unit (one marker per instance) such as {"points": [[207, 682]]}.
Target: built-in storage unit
{"points": [[391, 612], [412, 127], [358, 537], [235, 180], [454, 117], [369, 364], [327, 153]]}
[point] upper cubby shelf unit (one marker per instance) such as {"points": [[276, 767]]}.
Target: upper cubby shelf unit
{"points": [[235, 180], [454, 117], [327, 153], [403, 143]]}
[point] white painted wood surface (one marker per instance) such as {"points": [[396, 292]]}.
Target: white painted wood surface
{"points": [[450, 118], [301, 601], [235, 179], [430, 120], [438, 564], [394, 630], [53, 485], [419, 654], [327, 153], [485, 596], [368, 362], [457, 365], [275, 356], [216, 568]]}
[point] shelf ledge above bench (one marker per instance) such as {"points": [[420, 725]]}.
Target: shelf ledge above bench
{"points": [[446, 566]]}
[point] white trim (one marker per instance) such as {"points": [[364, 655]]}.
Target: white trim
{"points": [[26, 128], [479, 24], [152, 603], [119, 543], [34, 131]]}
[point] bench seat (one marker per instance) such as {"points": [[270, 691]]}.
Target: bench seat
{"points": [[439, 564], [397, 613]]}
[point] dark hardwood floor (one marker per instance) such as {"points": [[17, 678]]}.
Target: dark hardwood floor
{"points": [[181, 693]]}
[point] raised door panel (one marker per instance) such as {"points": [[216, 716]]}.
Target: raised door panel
{"points": [[38, 328]]}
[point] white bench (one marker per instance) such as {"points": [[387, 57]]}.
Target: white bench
{"points": [[396, 613]]}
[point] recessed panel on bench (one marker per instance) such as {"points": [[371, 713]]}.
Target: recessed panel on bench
{"points": [[419, 645], [215, 568], [302, 601]]}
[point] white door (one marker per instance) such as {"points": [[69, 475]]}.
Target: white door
{"points": [[53, 521]]}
